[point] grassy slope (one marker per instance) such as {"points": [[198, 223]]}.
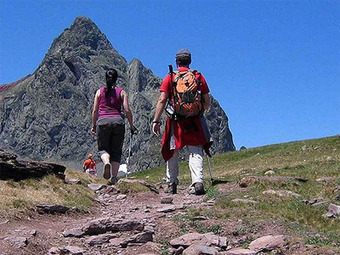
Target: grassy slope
{"points": [[20, 197], [311, 159]]}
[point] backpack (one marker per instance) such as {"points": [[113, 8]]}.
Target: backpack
{"points": [[186, 96]]}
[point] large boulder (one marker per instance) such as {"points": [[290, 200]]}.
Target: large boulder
{"points": [[12, 168]]}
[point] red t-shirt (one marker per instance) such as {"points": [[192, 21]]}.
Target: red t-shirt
{"points": [[166, 84], [187, 131]]}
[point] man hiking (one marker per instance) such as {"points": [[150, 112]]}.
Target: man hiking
{"points": [[187, 93], [89, 165]]}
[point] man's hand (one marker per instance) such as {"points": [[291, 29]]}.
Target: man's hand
{"points": [[156, 128]]}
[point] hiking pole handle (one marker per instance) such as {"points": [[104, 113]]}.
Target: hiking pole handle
{"points": [[171, 71]]}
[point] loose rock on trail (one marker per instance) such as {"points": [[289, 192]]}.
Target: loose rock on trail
{"points": [[140, 223]]}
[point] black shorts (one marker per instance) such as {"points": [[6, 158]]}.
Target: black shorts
{"points": [[110, 137]]}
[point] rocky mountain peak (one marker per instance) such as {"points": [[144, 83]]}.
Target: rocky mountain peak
{"points": [[84, 24], [82, 33], [48, 115]]}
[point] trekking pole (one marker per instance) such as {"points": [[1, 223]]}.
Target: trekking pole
{"points": [[129, 153], [128, 158], [210, 172]]}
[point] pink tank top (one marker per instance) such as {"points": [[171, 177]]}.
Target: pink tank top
{"points": [[110, 106]]}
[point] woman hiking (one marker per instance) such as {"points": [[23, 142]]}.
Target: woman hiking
{"points": [[108, 124]]}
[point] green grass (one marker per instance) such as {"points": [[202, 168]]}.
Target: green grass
{"points": [[131, 187], [23, 196], [310, 159]]}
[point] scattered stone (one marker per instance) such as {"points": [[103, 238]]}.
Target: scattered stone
{"points": [[103, 225], [180, 207], [17, 170], [52, 209], [333, 211], [19, 241], [195, 249], [73, 181], [53, 251], [149, 253], [100, 239], [270, 172], [116, 241], [96, 186], [281, 193], [76, 232], [167, 209], [27, 232], [199, 218], [210, 202], [149, 229], [166, 200], [267, 243], [245, 201], [72, 250], [207, 239], [121, 197], [328, 179], [321, 203], [239, 251], [142, 237], [330, 158], [316, 202], [109, 190], [4, 222]]}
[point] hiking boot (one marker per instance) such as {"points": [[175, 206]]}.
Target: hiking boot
{"points": [[172, 188], [113, 181], [107, 171], [199, 189]]}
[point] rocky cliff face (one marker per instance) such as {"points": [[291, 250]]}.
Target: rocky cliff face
{"points": [[47, 115]]}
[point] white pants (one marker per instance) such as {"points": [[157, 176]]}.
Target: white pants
{"points": [[90, 171], [195, 165]]}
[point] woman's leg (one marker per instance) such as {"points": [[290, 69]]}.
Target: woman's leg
{"points": [[107, 171], [115, 167], [117, 140], [104, 131]]}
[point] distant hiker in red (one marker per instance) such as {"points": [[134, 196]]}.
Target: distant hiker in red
{"points": [[89, 165], [108, 124], [185, 95]]}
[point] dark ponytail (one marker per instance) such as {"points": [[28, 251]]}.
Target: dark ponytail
{"points": [[111, 78]]}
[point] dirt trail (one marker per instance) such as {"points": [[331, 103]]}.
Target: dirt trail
{"points": [[43, 233]]}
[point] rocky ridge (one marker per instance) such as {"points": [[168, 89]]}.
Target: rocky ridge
{"points": [[47, 115]]}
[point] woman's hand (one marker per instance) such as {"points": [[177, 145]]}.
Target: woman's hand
{"points": [[93, 130], [133, 130]]}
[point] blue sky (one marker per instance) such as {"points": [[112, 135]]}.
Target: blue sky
{"points": [[274, 66]]}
